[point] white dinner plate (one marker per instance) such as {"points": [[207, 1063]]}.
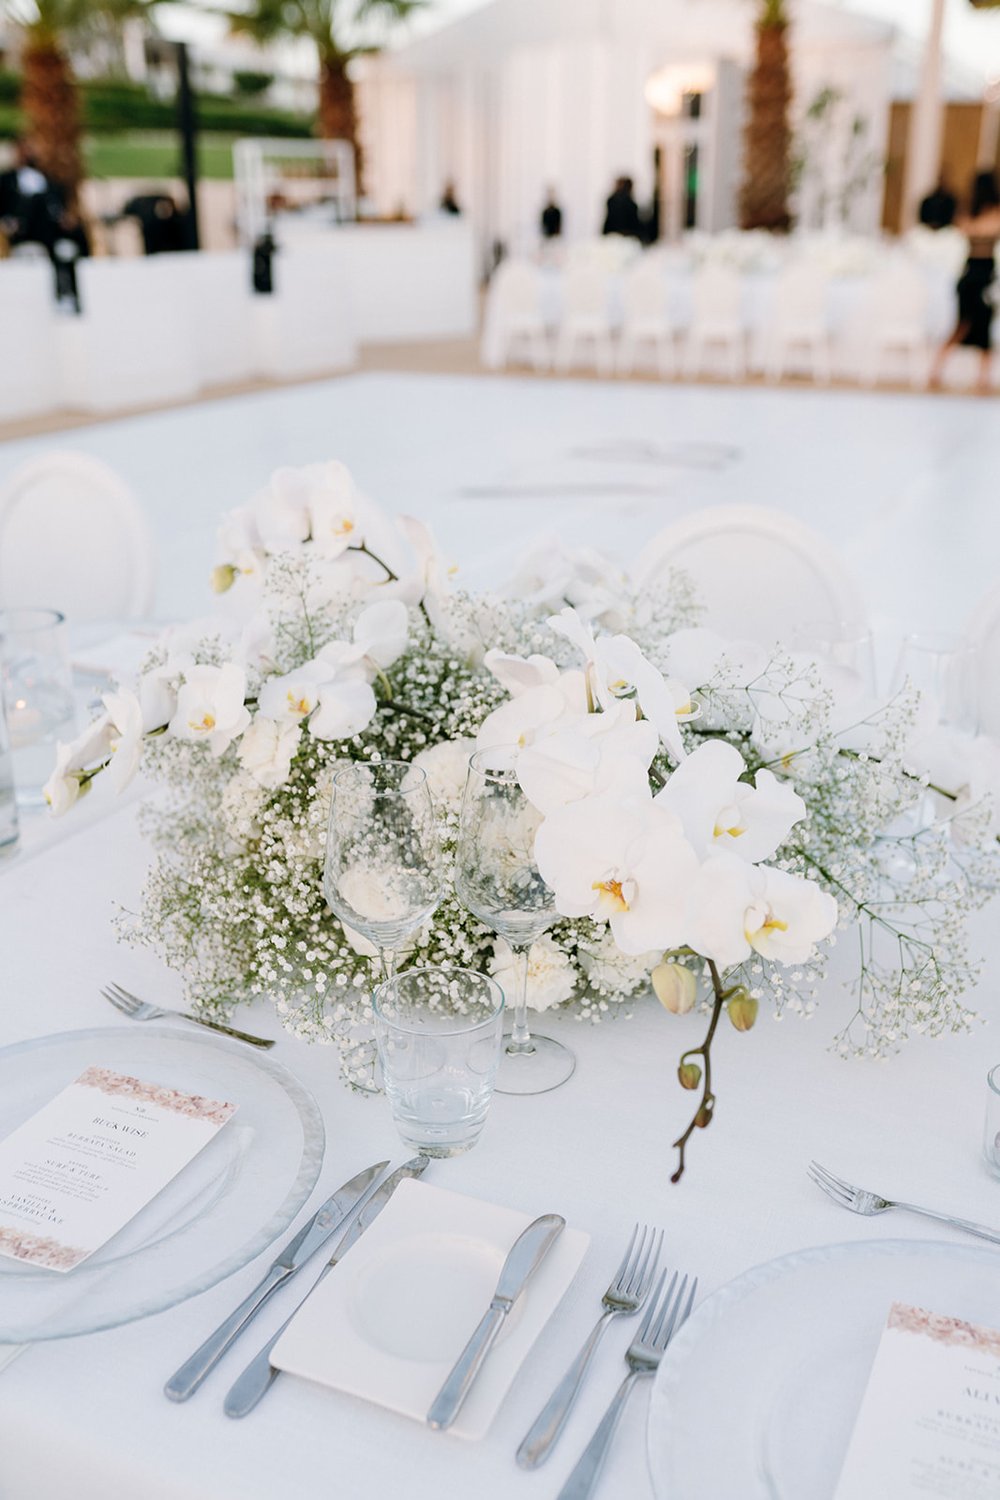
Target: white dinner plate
{"points": [[757, 1396], [225, 1207], [391, 1319]]}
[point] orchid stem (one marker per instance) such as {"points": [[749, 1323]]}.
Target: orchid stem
{"points": [[702, 1116]]}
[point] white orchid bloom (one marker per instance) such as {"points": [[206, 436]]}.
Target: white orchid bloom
{"points": [[737, 909], [292, 697], [346, 707], [380, 637], [698, 656], [267, 750], [588, 754], [616, 668], [720, 813], [158, 695], [128, 728], [518, 673], [63, 786], [532, 714], [211, 706], [624, 861], [279, 513], [89, 748], [331, 503]]}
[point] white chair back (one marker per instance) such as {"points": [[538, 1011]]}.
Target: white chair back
{"points": [[898, 296], [516, 289], [73, 538], [758, 573], [800, 296], [585, 292], [717, 295], [644, 292]]}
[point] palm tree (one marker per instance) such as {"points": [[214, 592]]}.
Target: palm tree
{"points": [[339, 30], [768, 137], [49, 100]]}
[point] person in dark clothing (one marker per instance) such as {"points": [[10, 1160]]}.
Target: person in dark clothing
{"points": [[449, 202], [622, 212], [975, 305], [938, 209], [31, 204], [160, 220], [552, 217]]}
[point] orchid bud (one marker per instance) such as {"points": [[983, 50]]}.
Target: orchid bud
{"points": [[689, 1074], [676, 988], [742, 1010], [704, 1117], [223, 578]]}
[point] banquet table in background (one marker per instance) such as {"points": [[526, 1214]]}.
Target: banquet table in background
{"points": [[87, 1416]]}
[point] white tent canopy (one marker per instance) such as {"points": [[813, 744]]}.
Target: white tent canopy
{"points": [[521, 94]]}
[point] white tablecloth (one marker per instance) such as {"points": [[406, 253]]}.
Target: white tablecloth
{"points": [[87, 1417]]}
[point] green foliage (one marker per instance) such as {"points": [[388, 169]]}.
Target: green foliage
{"points": [[113, 105], [251, 84], [326, 23], [155, 155], [10, 87]]}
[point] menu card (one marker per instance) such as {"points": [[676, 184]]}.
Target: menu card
{"points": [[77, 1171], [929, 1426]]}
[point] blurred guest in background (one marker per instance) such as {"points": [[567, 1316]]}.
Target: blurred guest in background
{"points": [[449, 202], [938, 209], [30, 202], [975, 306], [622, 212], [161, 221], [552, 218]]}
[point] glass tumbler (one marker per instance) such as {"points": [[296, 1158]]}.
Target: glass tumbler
{"points": [[439, 1034], [991, 1133], [38, 695]]}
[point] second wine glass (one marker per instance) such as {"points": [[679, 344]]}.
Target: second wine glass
{"points": [[497, 878], [382, 871]]}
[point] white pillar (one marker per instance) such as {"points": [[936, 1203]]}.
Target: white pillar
{"points": [[989, 131], [923, 150]]}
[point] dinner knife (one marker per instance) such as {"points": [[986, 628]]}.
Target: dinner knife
{"points": [[260, 1374], [325, 1222], [523, 1259]]}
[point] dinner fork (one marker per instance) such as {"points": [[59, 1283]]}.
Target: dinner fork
{"points": [[141, 1010], [624, 1297], [861, 1201], [668, 1311]]}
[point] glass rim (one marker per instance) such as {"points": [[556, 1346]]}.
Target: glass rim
{"points": [[493, 988], [14, 620], [993, 1078], [406, 766], [952, 642], [477, 757]]}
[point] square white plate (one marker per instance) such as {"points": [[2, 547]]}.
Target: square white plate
{"points": [[391, 1319]]}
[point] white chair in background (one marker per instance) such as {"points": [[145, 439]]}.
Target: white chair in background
{"points": [[133, 344], [758, 573], [798, 334], [983, 631], [895, 322], [585, 319], [73, 538], [646, 321], [514, 324], [28, 369], [717, 321]]}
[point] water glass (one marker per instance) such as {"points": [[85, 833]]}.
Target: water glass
{"points": [[8, 801], [38, 695], [439, 1034], [991, 1134], [944, 670], [846, 644]]}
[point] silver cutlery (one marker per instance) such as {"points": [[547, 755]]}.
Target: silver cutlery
{"points": [[259, 1375], [523, 1259], [668, 1311], [624, 1297], [301, 1247], [861, 1201], [141, 1010]]}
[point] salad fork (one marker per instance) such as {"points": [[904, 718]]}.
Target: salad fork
{"points": [[624, 1297], [141, 1010], [668, 1311], [861, 1201]]}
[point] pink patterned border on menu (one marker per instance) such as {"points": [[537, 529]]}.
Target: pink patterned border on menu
{"points": [[944, 1330], [192, 1105], [38, 1250]]}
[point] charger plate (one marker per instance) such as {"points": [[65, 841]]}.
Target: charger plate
{"points": [[757, 1396], [225, 1207]]}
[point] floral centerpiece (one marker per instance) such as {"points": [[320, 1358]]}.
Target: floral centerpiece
{"points": [[710, 810]]}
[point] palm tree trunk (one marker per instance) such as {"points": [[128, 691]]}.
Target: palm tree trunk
{"points": [[338, 116], [768, 137], [51, 108]]}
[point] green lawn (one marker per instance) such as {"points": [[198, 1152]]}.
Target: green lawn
{"points": [[156, 154]]}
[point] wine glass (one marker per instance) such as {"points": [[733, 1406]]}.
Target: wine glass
{"points": [[843, 644], [497, 878], [382, 871], [943, 668]]}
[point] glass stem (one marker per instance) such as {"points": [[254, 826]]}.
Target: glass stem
{"points": [[520, 1036], [388, 957]]}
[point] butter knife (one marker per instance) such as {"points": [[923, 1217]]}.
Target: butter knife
{"points": [[523, 1259], [260, 1374], [325, 1222]]}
